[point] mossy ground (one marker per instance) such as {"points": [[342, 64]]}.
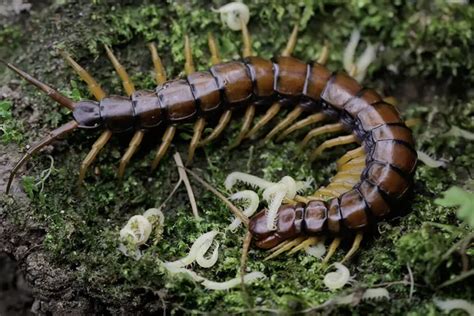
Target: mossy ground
{"points": [[425, 45]]}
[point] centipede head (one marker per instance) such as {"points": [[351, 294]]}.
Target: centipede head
{"points": [[289, 225], [87, 114]]}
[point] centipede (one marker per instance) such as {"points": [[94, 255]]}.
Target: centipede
{"points": [[371, 180]]}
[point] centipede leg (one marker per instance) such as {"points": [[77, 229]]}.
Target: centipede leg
{"points": [[290, 118], [92, 84], [290, 45], [355, 246], [311, 241], [198, 128], [286, 247], [332, 249], [131, 150], [312, 119], [92, 154], [160, 73], [324, 56], [330, 128], [271, 112], [127, 83], [247, 121], [165, 144], [351, 154], [341, 140], [221, 125]]}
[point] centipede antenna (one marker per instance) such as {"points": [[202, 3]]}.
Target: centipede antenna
{"points": [[61, 131], [92, 84], [290, 46], [53, 94], [127, 83]]}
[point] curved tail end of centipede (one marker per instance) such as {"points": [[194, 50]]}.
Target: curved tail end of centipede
{"points": [[61, 131]]}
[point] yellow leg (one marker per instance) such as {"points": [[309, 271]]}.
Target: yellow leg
{"points": [[346, 179], [351, 154], [413, 122], [223, 121], [324, 56], [357, 164], [271, 112], [341, 140], [330, 128], [131, 150], [215, 59], [311, 241], [332, 249], [247, 121], [198, 128], [160, 73], [93, 86], [391, 100], [290, 118], [286, 247], [355, 246], [280, 245], [340, 186], [314, 118], [127, 83], [189, 65], [290, 46], [165, 144], [247, 50], [325, 192], [98, 145]]}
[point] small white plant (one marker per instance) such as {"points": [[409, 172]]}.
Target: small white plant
{"points": [[363, 62], [339, 278], [233, 14]]}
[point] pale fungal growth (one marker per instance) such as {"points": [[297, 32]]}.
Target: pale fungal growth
{"points": [[254, 181], [250, 199], [317, 251], [430, 162], [358, 69], [157, 220], [274, 193], [339, 278], [448, 305], [198, 249], [234, 14], [137, 230], [212, 285], [369, 294]]}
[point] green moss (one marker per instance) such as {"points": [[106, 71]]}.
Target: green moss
{"points": [[83, 226]]}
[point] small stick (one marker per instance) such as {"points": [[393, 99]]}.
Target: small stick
{"points": [[240, 215], [183, 176]]}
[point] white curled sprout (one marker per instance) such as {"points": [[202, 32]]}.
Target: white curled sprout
{"points": [[317, 251], [233, 14], [369, 294], [251, 201], [363, 62], [274, 193], [213, 285], [448, 305], [339, 278], [198, 249], [430, 162]]}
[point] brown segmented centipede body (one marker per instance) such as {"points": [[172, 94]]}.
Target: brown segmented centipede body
{"points": [[370, 181]]}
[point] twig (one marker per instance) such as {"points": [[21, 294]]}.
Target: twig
{"points": [[183, 176], [240, 215], [456, 279], [412, 283]]}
